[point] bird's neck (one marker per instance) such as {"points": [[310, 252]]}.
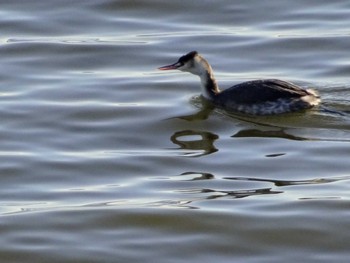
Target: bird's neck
{"points": [[209, 86]]}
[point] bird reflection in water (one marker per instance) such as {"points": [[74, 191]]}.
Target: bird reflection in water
{"points": [[239, 193], [213, 193], [291, 182], [195, 143], [205, 108], [268, 134]]}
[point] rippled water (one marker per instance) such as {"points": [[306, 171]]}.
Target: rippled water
{"points": [[106, 159]]}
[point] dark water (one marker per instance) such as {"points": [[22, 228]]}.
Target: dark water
{"points": [[105, 159]]}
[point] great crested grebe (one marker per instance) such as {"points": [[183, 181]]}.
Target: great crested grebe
{"points": [[257, 97]]}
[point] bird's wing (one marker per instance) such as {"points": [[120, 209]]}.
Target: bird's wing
{"points": [[258, 91]]}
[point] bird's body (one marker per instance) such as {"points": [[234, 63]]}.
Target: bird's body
{"points": [[266, 97], [257, 97]]}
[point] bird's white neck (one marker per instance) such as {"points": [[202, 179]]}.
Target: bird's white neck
{"points": [[209, 86], [202, 69]]}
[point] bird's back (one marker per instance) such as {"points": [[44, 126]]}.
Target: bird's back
{"points": [[260, 91]]}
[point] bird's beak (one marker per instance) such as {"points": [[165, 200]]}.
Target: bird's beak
{"points": [[170, 67]]}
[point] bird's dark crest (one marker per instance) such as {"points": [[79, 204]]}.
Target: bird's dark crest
{"points": [[188, 57]]}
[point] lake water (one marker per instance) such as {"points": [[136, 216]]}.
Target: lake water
{"points": [[103, 158]]}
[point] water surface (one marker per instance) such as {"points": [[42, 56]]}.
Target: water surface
{"points": [[106, 159]]}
